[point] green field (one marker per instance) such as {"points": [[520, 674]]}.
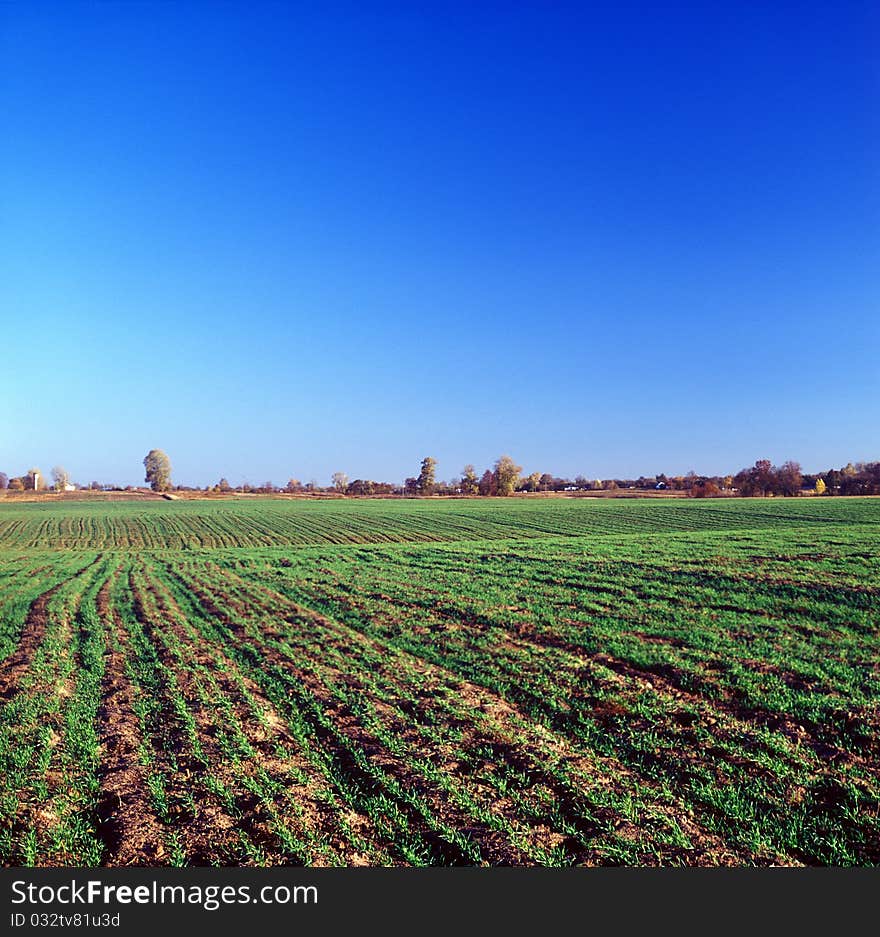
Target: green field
{"points": [[533, 681]]}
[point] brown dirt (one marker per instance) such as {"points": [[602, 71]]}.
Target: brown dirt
{"points": [[267, 731], [668, 680], [494, 847], [127, 823], [34, 630], [208, 831], [511, 737], [41, 816]]}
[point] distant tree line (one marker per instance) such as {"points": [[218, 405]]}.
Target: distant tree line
{"points": [[34, 480], [505, 478]]}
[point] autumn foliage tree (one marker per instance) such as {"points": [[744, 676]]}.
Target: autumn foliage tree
{"points": [[506, 476], [764, 479], [704, 489], [788, 479], [426, 481], [757, 480], [469, 483], [488, 484], [533, 482], [33, 481], [158, 470]]}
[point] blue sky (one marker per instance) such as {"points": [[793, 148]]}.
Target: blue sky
{"points": [[284, 239]]}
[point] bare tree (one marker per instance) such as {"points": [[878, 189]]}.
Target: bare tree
{"points": [[340, 481], [60, 477]]}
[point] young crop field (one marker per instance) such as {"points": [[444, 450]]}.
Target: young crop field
{"points": [[525, 682]]}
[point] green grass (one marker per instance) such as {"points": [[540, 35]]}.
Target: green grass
{"points": [[267, 522], [548, 682]]}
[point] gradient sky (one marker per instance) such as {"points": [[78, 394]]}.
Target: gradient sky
{"points": [[284, 239]]}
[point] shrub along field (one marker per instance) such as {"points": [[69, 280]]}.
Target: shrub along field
{"points": [[549, 682]]}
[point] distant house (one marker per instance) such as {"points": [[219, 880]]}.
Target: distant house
{"points": [[660, 486], [70, 487]]}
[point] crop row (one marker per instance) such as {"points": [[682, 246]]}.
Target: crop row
{"points": [[236, 524], [701, 698]]}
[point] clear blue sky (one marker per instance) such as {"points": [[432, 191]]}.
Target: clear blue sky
{"points": [[284, 239]]}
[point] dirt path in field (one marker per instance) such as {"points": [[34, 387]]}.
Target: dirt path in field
{"points": [[127, 822], [33, 631], [288, 769], [510, 737]]}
